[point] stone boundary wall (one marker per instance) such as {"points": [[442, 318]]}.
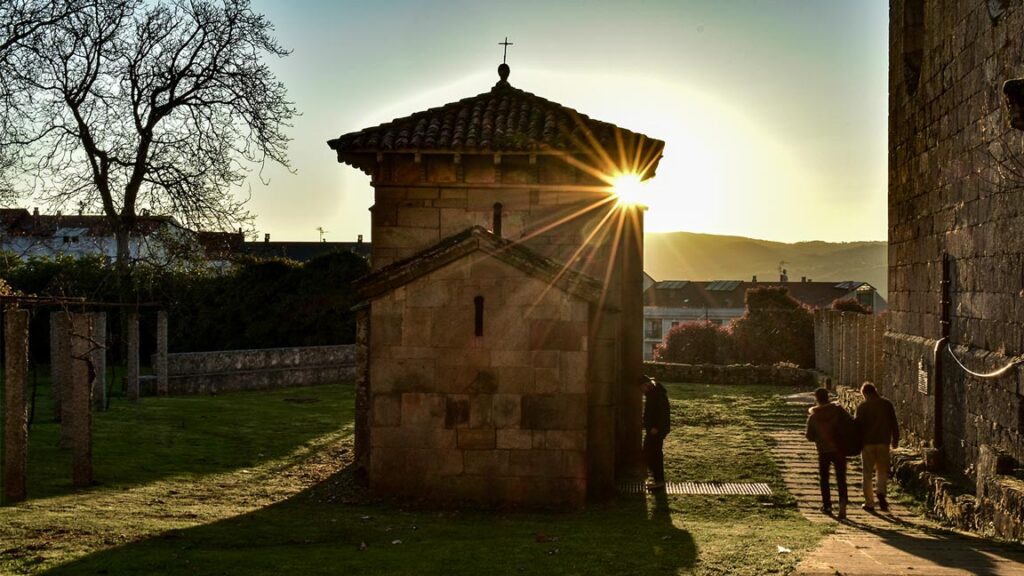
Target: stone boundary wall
{"points": [[740, 374], [262, 369], [849, 346]]}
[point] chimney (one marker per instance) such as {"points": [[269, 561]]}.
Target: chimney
{"points": [[35, 212], [783, 277], [754, 279], [359, 239], [803, 278], [266, 237]]}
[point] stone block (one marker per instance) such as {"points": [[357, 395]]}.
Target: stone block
{"points": [[476, 439], [565, 439], [489, 463], [511, 358], [429, 294], [514, 439], [456, 411], [480, 409], [557, 335], [554, 412], [515, 380], [402, 376], [387, 410], [423, 410], [505, 411], [386, 331], [573, 368], [405, 237], [537, 463], [546, 381], [414, 217]]}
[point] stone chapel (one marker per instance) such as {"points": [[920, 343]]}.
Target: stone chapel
{"points": [[499, 341]]}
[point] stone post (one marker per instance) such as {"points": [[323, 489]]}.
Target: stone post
{"points": [[362, 424], [131, 384], [59, 355], [161, 353], [78, 416], [14, 443], [99, 361]]}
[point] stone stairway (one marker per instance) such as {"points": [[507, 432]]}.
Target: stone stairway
{"points": [[898, 542]]}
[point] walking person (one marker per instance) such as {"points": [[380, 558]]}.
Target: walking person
{"points": [[876, 419], [657, 423], [825, 423]]}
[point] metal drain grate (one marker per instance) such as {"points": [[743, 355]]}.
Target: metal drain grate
{"points": [[711, 488]]}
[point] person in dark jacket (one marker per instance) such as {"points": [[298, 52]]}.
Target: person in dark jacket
{"points": [[823, 429], [657, 423], [876, 420]]}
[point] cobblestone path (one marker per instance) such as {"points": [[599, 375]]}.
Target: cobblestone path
{"points": [[899, 542]]}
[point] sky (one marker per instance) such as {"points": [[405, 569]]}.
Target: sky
{"points": [[773, 111]]}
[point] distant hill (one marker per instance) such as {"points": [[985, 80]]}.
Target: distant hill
{"points": [[690, 256]]}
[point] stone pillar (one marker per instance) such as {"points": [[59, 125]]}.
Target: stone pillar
{"points": [[131, 384], [362, 423], [628, 458], [14, 443], [77, 400], [99, 361], [59, 355], [161, 353]]}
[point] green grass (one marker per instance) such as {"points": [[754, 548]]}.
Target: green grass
{"points": [[253, 483]]}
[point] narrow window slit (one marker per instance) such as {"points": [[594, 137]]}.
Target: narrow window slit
{"points": [[497, 218], [478, 304]]}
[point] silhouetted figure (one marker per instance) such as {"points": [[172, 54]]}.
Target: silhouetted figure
{"points": [[823, 428], [876, 419], [657, 423]]}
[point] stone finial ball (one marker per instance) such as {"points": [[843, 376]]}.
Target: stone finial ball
{"points": [[503, 71]]}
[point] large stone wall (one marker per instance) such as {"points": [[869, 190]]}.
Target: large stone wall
{"points": [[235, 370], [498, 418], [950, 191]]}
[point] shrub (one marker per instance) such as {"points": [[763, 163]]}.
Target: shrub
{"points": [[850, 305], [700, 342], [775, 328]]}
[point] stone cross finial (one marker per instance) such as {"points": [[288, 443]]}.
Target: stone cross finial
{"points": [[506, 44]]}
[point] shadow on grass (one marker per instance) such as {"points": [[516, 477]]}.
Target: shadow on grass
{"points": [[335, 528], [162, 437]]}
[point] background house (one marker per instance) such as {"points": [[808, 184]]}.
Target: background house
{"points": [[671, 302]]}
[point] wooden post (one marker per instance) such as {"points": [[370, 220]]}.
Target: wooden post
{"points": [[161, 353], [99, 361], [132, 375], [78, 417], [14, 443], [59, 355]]}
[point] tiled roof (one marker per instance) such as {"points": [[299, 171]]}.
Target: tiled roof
{"points": [[732, 293], [304, 251], [504, 119], [20, 222]]}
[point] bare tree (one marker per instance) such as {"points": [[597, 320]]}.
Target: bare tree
{"points": [[164, 104]]}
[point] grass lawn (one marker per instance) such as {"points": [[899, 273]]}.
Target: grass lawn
{"points": [[256, 483]]}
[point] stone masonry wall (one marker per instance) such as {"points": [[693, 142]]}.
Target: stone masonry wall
{"points": [[499, 418], [268, 368], [735, 374], [950, 191]]}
